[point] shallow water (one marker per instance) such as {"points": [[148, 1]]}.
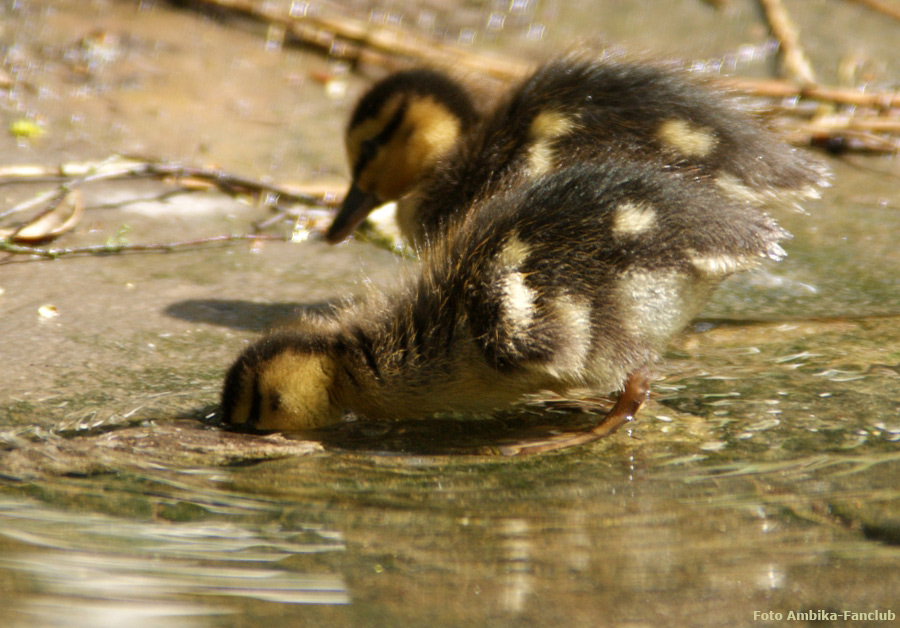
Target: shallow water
{"points": [[761, 477]]}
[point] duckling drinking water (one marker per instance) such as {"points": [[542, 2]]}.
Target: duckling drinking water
{"points": [[577, 278], [416, 135]]}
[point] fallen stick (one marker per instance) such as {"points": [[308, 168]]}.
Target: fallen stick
{"points": [[794, 59], [881, 7], [119, 247], [776, 88]]}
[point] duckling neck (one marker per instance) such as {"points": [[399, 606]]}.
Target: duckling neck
{"points": [[404, 364]]}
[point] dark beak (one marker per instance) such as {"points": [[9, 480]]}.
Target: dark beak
{"points": [[356, 206]]}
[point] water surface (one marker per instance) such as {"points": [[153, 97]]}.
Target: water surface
{"points": [[761, 477]]}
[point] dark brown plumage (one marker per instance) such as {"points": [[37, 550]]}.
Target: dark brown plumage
{"points": [[572, 110], [577, 278]]}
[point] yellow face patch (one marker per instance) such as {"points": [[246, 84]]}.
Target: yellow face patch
{"points": [[687, 139], [295, 392], [432, 131]]}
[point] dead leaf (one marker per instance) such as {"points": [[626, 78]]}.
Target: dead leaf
{"points": [[51, 224]]}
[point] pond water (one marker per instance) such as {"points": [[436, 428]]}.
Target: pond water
{"points": [[760, 480]]}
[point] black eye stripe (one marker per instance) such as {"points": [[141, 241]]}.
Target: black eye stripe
{"points": [[364, 346], [275, 402], [369, 148], [255, 405]]}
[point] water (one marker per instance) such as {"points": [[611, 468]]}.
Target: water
{"points": [[761, 477]]}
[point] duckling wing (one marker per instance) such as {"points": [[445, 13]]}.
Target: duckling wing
{"points": [[586, 111], [667, 115], [585, 273]]}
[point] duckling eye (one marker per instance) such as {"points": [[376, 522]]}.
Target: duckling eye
{"points": [[367, 150], [275, 402]]}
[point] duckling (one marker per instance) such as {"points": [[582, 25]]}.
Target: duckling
{"points": [[570, 110], [575, 279]]}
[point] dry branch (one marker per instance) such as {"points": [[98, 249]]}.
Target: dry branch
{"points": [[356, 41], [775, 88], [75, 175], [881, 7], [58, 210], [794, 59], [393, 47], [107, 249]]}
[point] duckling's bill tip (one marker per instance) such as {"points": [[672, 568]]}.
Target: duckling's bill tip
{"points": [[356, 206]]}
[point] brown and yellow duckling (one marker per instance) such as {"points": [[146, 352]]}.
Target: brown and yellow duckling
{"points": [[416, 136], [578, 278]]}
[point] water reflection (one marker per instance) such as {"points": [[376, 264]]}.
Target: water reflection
{"points": [[93, 570], [516, 547], [761, 477]]}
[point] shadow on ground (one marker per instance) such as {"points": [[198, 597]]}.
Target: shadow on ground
{"points": [[243, 315]]}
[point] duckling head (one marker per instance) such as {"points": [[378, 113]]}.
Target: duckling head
{"points": [[398, 131], [281, 383]]}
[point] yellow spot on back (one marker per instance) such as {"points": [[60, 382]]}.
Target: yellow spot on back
{"points": [[571, 359], [721, 265], [518, 303], [687, 139], [546, 127], [514, 253], [633, 218], [540, 159], [550, 125], [731, 186], [517, 299]]}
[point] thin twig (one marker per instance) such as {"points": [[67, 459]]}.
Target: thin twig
{"points": [[794, 59], [37, 227], [225, 181], [844, 141], [350, 39], [122, 168], [51, 198], [125, 168], [111, 248], [394, 48], [857, 123], [881, 7], [774, 88]]}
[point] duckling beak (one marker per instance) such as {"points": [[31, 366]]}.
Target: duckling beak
{"points": [[356, 206]]}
